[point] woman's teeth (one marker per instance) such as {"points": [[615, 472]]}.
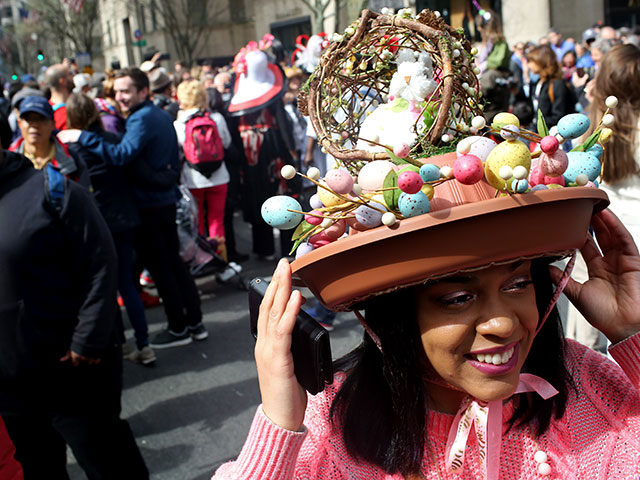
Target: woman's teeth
{"points": [[495, 358]]}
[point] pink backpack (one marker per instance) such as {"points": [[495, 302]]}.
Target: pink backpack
{"points": [[202, 144]]}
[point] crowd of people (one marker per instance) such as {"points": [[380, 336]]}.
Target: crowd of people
{"points": [[89, 180]]}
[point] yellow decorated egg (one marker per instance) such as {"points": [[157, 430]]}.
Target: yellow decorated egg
{"points": [[509, 154], [428, 190], [504, 118], [327, 198]]}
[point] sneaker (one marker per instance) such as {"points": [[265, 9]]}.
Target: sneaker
{"points": [[167, 338], [128, 350], [229, 272], [198, 332], [149, 300], [146, 355], [146, 280]]}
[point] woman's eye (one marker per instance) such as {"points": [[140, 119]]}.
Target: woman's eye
{"points": [[520, 284], [456, 300]]}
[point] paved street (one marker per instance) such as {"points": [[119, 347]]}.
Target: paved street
{"points": [[192, 411]]}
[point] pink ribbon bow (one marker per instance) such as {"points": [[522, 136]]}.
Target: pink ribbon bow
{"points": [[486, 419]]}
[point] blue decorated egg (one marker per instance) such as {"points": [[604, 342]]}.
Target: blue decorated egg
{"points": [[275, 211], [519, 186], [573, 125], [429, 172], [368, 216], [596, 150], [411, 205], [582, 163], [540, 186]]}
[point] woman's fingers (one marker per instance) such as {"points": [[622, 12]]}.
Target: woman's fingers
{"points": [[616, 236]]}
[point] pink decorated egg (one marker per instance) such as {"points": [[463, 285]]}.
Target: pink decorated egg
{"points": [[339, 181], [319, 240], [536, 177], [468, 169], [549, 144], [312, 219], [555, 164], [336, 230], [401, 151], [409, 182]]}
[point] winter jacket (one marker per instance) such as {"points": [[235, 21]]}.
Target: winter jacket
{"points": [[70, 167], [150, 139], [57, 278], [111, 186]]}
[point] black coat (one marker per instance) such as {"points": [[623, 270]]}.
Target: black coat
{"points": [[57, 280], [564, 100], [111, 186]]}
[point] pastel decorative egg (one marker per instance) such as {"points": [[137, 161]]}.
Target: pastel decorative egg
{"points": [[430, 172], [536, 177], [313, 219], [555, 164], [519, 186], [319, 240], [540, 186], [509, 154], [369, 216], [409, 182], [573, 125], [468, 169], [339, 181], [372, 175], [336, 230], [353, 223], [303, 249], [582, 162], [549, 144], [411, 205], [596, 150], [315, 201], [480, 147], [428, 190], [509, 132], [275, 211], [328, 198], [505, 118], [401, 151]]}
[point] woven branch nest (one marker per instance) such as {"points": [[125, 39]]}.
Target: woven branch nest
{"points": [[354, 74]]}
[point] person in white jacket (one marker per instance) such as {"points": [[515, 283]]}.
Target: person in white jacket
{"points": [[209, 191]]}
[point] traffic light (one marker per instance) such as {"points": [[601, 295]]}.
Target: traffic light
{"points": [[40, 56]]}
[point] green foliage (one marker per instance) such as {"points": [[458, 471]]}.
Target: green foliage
{"points": [[543, 130], [391, 196]]}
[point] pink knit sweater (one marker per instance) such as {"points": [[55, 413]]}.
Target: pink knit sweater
{"points": [[597, 438]]}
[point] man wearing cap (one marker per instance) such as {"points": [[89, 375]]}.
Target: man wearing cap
{"points": [[150, 141], [59, 79], [160, 86], [38, 144], [60, 360]]}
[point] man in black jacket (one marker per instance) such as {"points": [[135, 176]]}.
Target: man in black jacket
{"points": [[60, 362]]}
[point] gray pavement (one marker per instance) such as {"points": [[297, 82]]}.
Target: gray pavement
{"points": [[192, 411]]}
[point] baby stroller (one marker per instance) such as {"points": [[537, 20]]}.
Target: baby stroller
{"points": [[198, 253]]}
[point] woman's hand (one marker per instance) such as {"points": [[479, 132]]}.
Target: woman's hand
{"points": [[610, 299], [283, 399]]}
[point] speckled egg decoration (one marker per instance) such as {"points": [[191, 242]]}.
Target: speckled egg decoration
{"points": [[315, 201], [336, 230], [339, 181], [368, 216], [480, 147], [303, 249], [505, 118], [411, 205], [409, 182], [540, 186], [536, 177], [327, 198], [507, 153], [319, 240], [468, 169], [555, 164], [582, 162], [275, 212], [596, 150], [573, 125], [315, 219], [430, 172], [372, 175]]}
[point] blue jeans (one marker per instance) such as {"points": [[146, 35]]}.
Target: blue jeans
{"points": [[127, 288]]}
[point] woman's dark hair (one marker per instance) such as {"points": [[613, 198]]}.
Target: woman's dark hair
{"points": [[381, 406]]}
